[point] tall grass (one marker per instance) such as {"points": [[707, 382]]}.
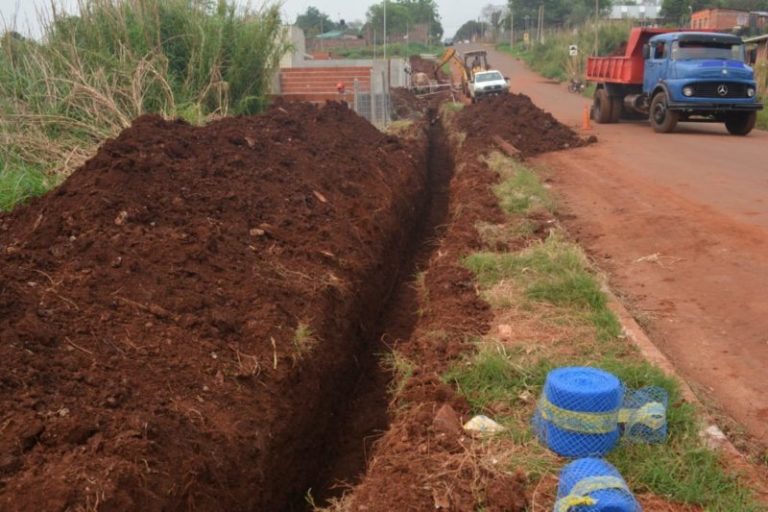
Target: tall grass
{"points": [[552, 60], [393, 50], [93, 73], [761, 76]]}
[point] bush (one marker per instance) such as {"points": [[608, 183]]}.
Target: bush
{"points": [[552, 60], [93, 73]]}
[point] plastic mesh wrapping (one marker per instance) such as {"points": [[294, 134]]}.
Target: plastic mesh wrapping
{"points": [[643, 415], [593, 485], [582, 412], [578, 411]]}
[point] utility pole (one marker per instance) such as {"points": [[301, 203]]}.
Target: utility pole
{"points": [[512, 24], [597, 26], [541, 23], [385, 30]]}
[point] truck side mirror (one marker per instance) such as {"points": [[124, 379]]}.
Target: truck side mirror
{"points": [[646, 51]]}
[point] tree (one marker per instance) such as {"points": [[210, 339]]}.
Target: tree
{"points": [[314, 22], [556, 12], [404, 13], [470, 30]]}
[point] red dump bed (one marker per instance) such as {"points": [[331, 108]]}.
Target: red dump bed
{"points": [[627, 68]]}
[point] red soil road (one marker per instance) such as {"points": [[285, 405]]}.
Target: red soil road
{"points": [[680, 224]]}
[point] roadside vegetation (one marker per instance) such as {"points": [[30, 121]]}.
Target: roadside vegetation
{"points": [[761, 76], [550, 312], [91, 74], [551, 59], [393, 50]]}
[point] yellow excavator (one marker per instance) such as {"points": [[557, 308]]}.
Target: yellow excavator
{"points": [[472, 62]]}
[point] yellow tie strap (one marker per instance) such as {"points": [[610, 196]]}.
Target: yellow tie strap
{"points": [[576, 421], [580, 492], [652, 415]]}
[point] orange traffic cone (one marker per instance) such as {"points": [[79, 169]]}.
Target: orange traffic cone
{"points": [[585, 123]]}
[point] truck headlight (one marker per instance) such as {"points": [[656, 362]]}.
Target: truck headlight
{"points": [[751, 92], [688, 91]]}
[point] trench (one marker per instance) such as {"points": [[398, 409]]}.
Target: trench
{"points": [[364, 417]]}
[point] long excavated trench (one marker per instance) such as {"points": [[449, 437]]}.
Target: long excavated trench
{"points": [[363, 416], [196, 318]]}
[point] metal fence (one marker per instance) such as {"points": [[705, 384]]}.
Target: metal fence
{"points": [[374, 101]]}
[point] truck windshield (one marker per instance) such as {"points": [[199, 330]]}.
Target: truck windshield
{"points": [[488, 77], [707, 50]]}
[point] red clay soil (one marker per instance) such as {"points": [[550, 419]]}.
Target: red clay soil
{"points": [[424, 462], [406, 105], [515, 118], [420, 65], [149, 309]]}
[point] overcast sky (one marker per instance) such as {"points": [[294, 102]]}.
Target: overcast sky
{"points": [[453, 12]]}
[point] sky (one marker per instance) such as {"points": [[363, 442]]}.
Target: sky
{"points": [[454, 13]]}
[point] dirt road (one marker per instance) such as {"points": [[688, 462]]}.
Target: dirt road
{"points": [[680, 224]]}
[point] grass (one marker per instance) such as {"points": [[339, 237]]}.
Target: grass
{"points": [[400, 126], [551, 271], [552, 60], [393, 50], [520, 190], [304, 341], [18, 183], [551, 280], [681, 469], [92, 74], [401, 369]]}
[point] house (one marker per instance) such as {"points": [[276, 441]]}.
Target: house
{"points": [[648, 10], [719, 19]]}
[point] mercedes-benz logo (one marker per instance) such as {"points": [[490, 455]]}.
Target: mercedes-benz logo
{"points": [[722, 90]]}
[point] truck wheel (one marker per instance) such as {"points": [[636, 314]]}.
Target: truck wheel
{"points": [[617, 106], [663, 120], [602, 107], [741, 123]]}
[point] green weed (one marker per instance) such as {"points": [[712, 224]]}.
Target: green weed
{"points": [[401, 369], [520, 190], [551, 271], [304, 340], [18, 183]]}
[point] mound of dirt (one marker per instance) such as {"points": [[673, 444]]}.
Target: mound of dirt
{"points": [[515, 118], [421, 65], [178, 320], [406, 105]]}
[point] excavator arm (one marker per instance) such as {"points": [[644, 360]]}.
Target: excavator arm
{"points": [[448, 56]]}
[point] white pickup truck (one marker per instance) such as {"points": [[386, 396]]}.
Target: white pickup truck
{"points": [[488, 83]]}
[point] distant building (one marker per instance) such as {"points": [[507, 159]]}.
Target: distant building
{"points": [[719, 19], [648, 10]]}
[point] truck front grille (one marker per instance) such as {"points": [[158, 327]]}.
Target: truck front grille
{"points": [[719, 90]]}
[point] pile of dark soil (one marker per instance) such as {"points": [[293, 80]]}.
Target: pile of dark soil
{"points": [[178, 320], [406, 105], [515, 118], [421, 65]]}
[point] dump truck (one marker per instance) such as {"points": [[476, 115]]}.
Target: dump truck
{"points": [[669, 76]]}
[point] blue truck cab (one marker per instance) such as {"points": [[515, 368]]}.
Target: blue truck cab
{"points": [[699, 76], [668, 76]]}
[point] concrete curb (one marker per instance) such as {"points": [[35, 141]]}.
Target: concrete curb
{"points": [[710, 432]]}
